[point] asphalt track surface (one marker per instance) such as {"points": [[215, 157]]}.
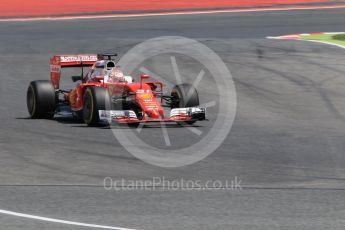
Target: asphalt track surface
{"points": [[286, 144]]}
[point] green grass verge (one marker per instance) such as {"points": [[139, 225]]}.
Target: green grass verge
{"points": [[331, 38]]}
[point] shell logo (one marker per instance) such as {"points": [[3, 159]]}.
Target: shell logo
{"points": [[146, 96]]}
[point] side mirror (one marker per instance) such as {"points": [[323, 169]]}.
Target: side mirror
{"points": [[144, 76], [77, 78]]}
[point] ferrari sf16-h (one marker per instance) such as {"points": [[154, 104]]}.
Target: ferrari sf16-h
{"points": [[105, 95]]}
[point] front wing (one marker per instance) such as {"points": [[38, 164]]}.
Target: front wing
{"points": [[129, 116]]}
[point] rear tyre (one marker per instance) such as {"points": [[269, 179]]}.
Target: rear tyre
{"points": [[95, 99], [41, 99], [183, 96]]}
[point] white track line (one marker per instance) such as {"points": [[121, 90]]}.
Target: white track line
{"points": [[105, 16], [286, 37], [41, 218], [331, 33]]}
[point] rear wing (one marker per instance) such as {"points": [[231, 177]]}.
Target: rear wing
{"points": [[68, 61]]}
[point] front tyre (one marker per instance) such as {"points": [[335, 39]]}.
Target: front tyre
{"points": [[183, 96], [93, 101], [41, 99]]}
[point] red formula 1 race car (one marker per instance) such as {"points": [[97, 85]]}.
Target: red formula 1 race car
{"points": [[105, 95]]}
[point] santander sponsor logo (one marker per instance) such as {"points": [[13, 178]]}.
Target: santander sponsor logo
{"points": [[78, 58]]}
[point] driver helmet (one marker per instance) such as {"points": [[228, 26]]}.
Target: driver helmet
{"points": [[116, 75]]}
